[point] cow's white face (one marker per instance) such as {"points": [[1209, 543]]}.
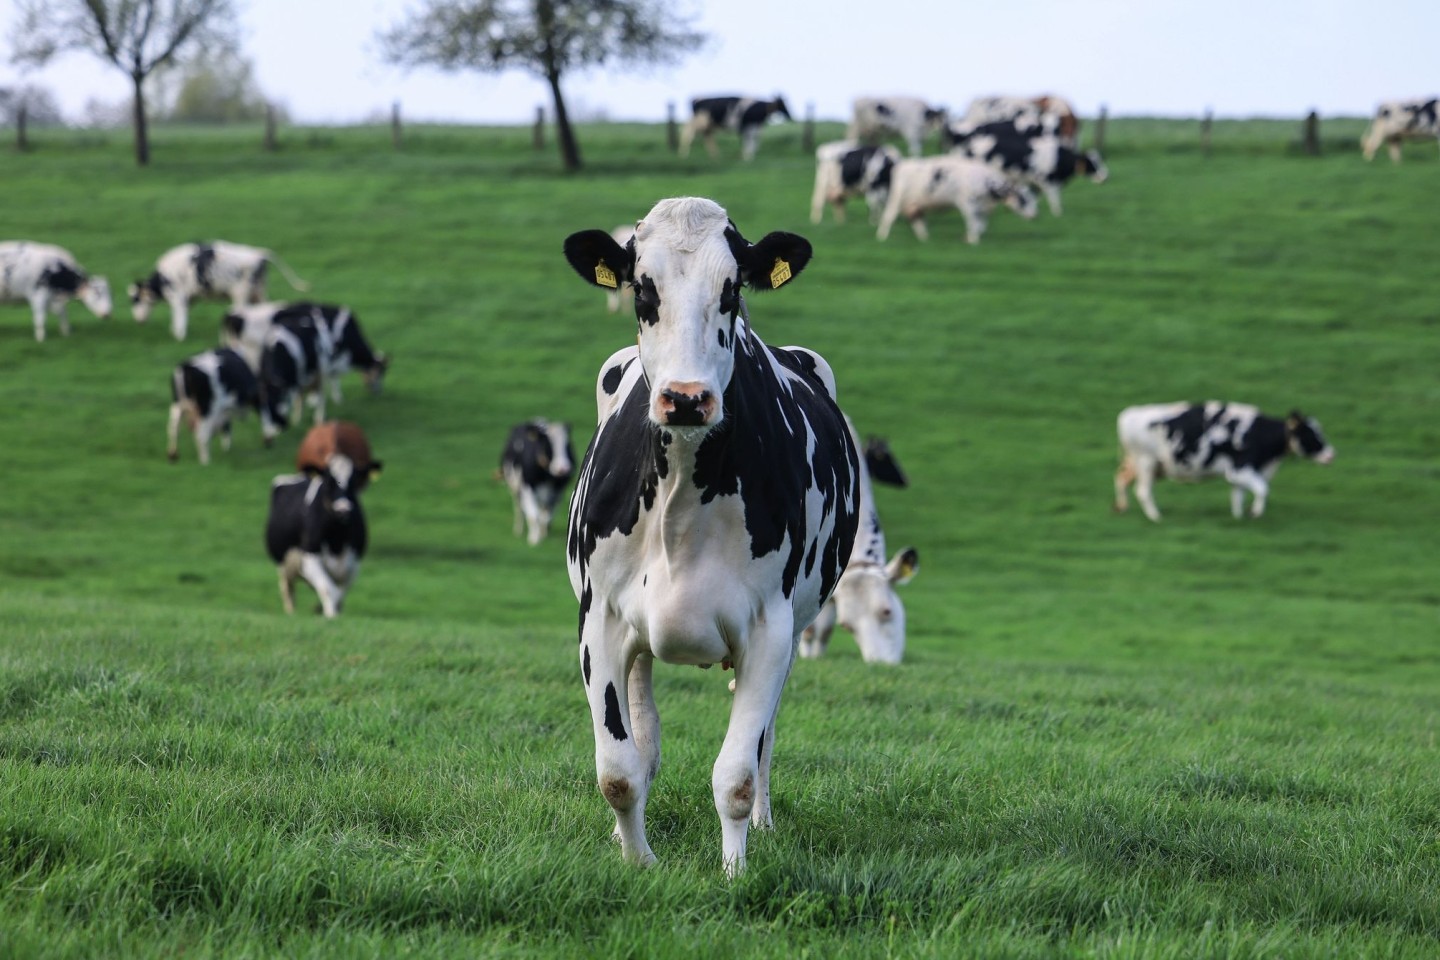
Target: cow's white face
{"points": [[1023, 201], [686, 264], [142, 300], [687, 294], [561, 465], [95, 294], [867, 605]]}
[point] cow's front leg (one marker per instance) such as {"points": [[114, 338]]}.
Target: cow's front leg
{"points": [[63, 315], [622, 771], [179, 317], [976, 220], [39, 307], [917, 224], [1052, 197], [1144, 486], [312, 570], [1242, 480], [204, 430], [741, 791], [172, 432]]}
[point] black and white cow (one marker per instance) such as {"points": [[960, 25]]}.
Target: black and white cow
{"points": [[921, 184], [1191, 441], [1399, 120], [316, 532], [1051, 113], [865, 601], [1028, 154], [536, 465], [330, 331], [216, 271], [714, 509], [48, 278], [744, 115], [845, 169], [208, 391], [909, 118]]}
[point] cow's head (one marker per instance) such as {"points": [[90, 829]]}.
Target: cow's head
{"points": [[867, 605], [94, 292], [1020, 198], [686, 264], [340, 484], [144, 294], [374, 375], [778, 108], [560, 459], [1306, 439], [936, 118], [1091, 165]]}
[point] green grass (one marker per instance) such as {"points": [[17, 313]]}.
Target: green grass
{"points": [[1109, 739]]}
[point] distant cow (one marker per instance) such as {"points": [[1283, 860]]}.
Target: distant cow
{"points": [[922, 184], [1190, 441], [909, 118], [215, 271], [48, 277], [338, 342], [208, 391], [865, 601], [1054, 114], [744, 115], [1030, 155], [338, 436], [536, 465], [845, 169], [714, 509], [1399, 120], [316, 532]]}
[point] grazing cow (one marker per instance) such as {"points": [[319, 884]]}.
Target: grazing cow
{"points": [[214, 271], [614, 299], [208, 390], [316, 532], [920, 184], [338, 436], [1053, 114], [909, 118], [744, 115], [1399, 120], [865, 601], [714, 509], [49, 277], [536, 465], [339, 343], [845, 169], [1030, 155], [1190, 441]]}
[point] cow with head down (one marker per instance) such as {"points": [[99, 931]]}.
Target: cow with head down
{"points": [[919, 185], [1396, 121], [218, 270], [48, 278], [713, 511]]}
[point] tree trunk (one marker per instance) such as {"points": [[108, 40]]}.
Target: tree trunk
{"points": [[569, 149], [142, 132]]}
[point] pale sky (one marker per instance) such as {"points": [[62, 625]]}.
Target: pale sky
{"points": [[1238, 57]]}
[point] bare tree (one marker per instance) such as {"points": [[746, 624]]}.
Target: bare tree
{"points": [[547, 38], [137, 36]]}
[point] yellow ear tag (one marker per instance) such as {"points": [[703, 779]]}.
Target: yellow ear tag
{"points": [[605, 276], [780, 274]]}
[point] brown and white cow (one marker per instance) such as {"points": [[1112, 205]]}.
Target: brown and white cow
{"points": [[324, 440]]}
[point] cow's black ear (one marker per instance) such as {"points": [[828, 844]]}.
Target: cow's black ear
{"points": [[773, 262], [599, 259]]}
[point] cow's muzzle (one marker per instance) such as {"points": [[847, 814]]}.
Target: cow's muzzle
{"points": [[685, 405]]}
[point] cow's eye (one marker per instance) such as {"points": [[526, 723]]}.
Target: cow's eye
{"points": [[647, 302], [730, 298]]}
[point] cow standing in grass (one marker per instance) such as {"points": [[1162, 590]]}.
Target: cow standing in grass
{"points": [[48, 278], [207, 392], [215, 271], [316, 532], [1399, 120], [744, 115], [919, 185], [536, 465], [909, 118], [714, 509], [845, 169], [1191, 441]]}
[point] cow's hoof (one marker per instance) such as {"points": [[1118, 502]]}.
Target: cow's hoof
{"points": [[173, 457]]}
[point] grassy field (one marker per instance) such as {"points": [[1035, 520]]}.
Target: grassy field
{"points": [[1203, 738]]}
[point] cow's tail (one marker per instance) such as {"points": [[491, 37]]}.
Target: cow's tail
{"points": [[290, 276]]}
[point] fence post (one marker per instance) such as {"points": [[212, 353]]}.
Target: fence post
{"points": [[270, 127], [807, 135], [1312, 134], [1100, 130], [22, 141], [395, 124], [1205, 125], [537, 134], [672, 132]]}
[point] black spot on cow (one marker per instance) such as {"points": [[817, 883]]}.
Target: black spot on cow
{"points": [[730, 298], [613, 721], [760, 750], [647, 301], [204, 263], [586, 596], [852, 165], [616, 491], [611, 381], [585, 665], [61, 277]]}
